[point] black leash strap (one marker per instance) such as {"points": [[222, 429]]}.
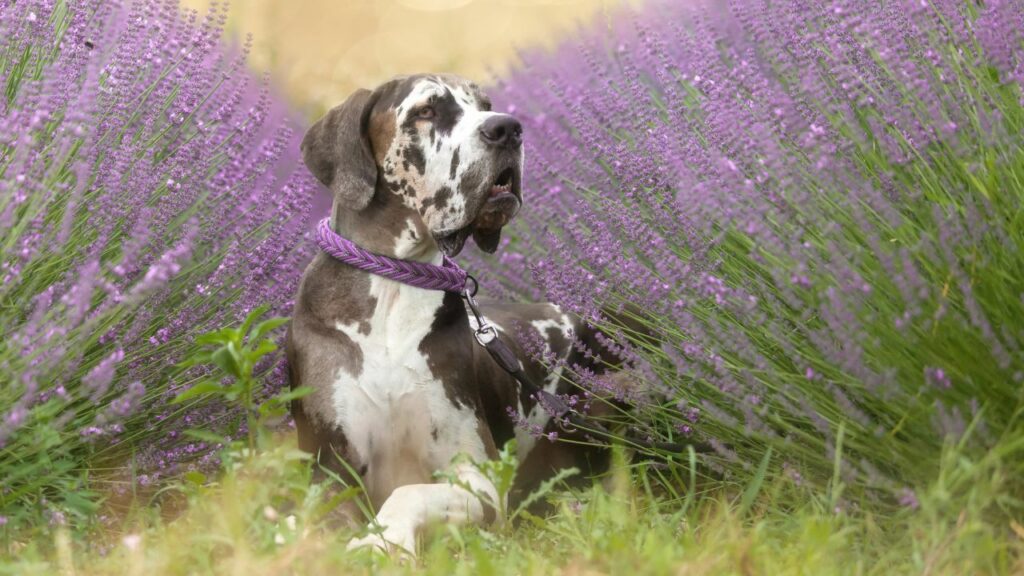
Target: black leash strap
{"points": [[565, 417], [487, 336]]}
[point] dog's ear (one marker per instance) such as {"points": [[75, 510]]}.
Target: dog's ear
{"points": [[337, 150], [487, 240]]}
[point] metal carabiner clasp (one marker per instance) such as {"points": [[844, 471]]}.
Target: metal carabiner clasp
{"points": [[484, 332]]}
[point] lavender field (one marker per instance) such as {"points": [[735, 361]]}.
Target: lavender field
{"points": [[151, 191], [800, 223], [815, 207]]}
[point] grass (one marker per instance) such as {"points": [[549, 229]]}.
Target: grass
{"points": [[239, 525]]}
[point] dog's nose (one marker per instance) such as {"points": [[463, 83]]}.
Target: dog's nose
{"points": [[502, 131]]}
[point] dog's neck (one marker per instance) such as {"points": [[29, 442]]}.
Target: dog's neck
{"points": [[387, 227], [346, 294]]}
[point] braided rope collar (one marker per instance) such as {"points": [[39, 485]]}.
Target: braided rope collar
{"points": [[448, 276]]}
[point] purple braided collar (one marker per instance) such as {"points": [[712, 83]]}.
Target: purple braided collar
{"points": [[448, 276]]}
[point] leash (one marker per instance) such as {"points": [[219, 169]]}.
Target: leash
{"points": [[566, 418], [450, 277]]}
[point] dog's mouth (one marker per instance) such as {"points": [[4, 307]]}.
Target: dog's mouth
{"points": [[503, 184], [502, 200], [504, 197], [451, 243]]}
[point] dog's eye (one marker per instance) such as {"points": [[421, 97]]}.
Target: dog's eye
{"points": [[425, 113]]}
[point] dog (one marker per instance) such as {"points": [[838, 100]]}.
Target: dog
{"points": [[416, 167]]}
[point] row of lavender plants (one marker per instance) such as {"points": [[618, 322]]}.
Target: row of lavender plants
{"points": [[815, 209], [149, 191]]}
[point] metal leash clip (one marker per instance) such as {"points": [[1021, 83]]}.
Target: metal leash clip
{"points": [[485, 332]]}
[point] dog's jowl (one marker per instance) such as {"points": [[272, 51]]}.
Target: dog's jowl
{"points": [[416, 167]]}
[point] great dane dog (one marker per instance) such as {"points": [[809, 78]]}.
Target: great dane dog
{"points": [[416, 167]]}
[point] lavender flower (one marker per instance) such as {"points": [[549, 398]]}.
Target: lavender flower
{"points": [[97, 381], [810, 202], [908, 499], [140, 160], [937, 377]]}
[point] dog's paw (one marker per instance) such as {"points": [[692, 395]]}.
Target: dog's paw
{"points": [[374, 542], [388, 542]]}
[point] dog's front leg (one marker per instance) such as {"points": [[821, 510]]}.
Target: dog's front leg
{"points": [[410, 508]]}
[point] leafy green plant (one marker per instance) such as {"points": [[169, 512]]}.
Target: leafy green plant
{"points": [[501, 471], [232, 355]]}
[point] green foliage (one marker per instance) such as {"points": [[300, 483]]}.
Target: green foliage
{"points": [[240, 524], [232, 354], [264, 514], [502, 473]]}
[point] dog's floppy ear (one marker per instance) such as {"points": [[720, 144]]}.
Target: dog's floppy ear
{"points": [[337, 151]]}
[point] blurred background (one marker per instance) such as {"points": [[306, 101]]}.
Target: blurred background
{"points": [[318, 51]]}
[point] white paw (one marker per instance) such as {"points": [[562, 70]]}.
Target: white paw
{"points": [[372, 541], [391, 541]]}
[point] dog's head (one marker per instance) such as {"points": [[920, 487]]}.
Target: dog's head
{"points": [[433, 142]]}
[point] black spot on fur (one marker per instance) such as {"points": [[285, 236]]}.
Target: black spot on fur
{"points": [[556, 339], [433, 433], [447, 348], [448, 112], [409, 127], [472, 180], [442, 196], [455, 164], [414, 155]]}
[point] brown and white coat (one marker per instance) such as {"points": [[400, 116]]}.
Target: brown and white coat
{"points": [[417, 166]]}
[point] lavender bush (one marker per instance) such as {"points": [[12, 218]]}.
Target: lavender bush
{"points": [[148, 192], [815, 209]]}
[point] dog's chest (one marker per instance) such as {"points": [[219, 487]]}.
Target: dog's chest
{"points": [[394, 411]]}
